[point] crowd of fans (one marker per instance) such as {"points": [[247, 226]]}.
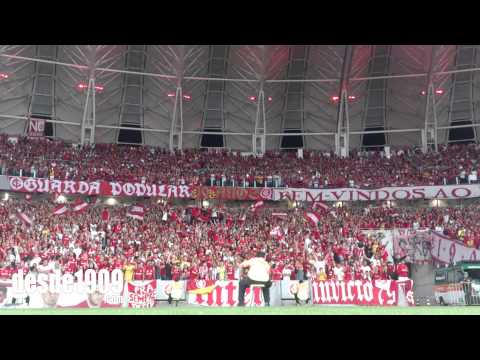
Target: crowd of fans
{"points": [[403, 167], [186, 242]]}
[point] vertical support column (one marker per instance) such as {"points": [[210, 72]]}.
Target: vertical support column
{"points": [[93, 120], [429, 134], [342, 138], [176, 127], [258, 145], [88, 112], [343, 125]]}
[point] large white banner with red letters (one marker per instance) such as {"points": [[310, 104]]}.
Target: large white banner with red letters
{"points": [[102, 188], [141, 294], [114, 188], [449, 251], [359, 292], [386, 193], [225, 293]]}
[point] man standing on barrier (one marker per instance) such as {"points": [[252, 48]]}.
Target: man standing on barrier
{"points": [[258, 273], [467, 288]]}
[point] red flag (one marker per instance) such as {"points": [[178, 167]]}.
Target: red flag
{"points": [[173, 216], [136, 212], [105, 215], [204, 218], [24, 218], [257, 206], [320, 205], [79, 205], [196, 212], [312, 217], [60, 209]]}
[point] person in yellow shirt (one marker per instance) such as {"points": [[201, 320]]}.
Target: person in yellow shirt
{"points": [[128, 270], [321, 276], [221, 271]]}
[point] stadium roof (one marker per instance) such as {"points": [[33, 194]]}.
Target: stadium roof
{"points": [[250, 95]]}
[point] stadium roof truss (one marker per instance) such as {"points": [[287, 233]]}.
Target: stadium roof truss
{"points": [[250, 98]]}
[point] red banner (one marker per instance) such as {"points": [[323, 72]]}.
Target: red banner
{"points": [[377, 293], [231, 193], [141, 294]]}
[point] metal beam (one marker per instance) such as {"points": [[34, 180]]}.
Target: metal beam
{"points": [[167, 76]]}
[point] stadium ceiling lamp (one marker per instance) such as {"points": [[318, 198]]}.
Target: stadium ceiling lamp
{"points": [[98, 88], [351, 97], [269, 98], [171, 94], [61, 199], [111, 201], [187, 97], [252, 98], [3, 76], [335, 98], [438, 92]]}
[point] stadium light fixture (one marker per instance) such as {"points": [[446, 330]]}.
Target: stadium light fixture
{"points": [[3, 76], [351, 97], [187, 97], [423, 92], [335, 98], [439, 91], [171, 95], [98, 88], [252, 98], [269, 98], [111, 201], [436, 202]]}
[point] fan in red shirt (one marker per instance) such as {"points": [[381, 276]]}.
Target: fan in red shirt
{"points": [[150, 271], [5, 273], [139, 271], [402, 271]]}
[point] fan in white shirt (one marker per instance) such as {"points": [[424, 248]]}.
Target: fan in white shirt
{"points": [[366, 271], [339, 272]]}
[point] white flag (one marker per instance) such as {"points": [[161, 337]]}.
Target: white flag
{"points": [[24, 218], [136, 212]]}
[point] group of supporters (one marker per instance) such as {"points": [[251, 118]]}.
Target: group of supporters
{"points": [[185, 242], [315, 169]]}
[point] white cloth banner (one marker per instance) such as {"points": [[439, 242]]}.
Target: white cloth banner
{"points": [[414, 245], [448, 251], [386, 193]]}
